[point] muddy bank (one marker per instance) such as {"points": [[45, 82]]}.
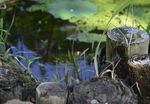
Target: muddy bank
{"points": [[16, 84], [102, 90]]}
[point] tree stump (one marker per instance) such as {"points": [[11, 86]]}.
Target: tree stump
{"points": [[139, 68], [51, 93], [101, 91], [122, 43]]}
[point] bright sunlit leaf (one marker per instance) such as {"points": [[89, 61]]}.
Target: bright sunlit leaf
{"points": [[67, 8]]}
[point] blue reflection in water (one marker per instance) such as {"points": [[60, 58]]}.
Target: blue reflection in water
{"points": [[46, 71]]}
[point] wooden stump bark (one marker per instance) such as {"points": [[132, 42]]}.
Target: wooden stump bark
{"points": [[51, 93], [126, 41], [139, 68], [122, 43]]}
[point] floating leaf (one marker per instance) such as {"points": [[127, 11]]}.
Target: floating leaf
{"points": [[37, 7], [66, 9], [86, 37]]}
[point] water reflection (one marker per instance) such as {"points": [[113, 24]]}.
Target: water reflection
{"points": [[46, 71]]}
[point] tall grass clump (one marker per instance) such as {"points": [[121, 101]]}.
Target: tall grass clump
{"points": [[8, 58]]}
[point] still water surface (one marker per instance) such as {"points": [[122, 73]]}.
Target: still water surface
{"points": [[40, 34]]}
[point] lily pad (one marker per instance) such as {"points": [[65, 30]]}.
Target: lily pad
{"points": [[68, 8], [87, 37]]}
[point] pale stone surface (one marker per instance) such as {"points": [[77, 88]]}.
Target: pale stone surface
{"points": [[51, 93], [16, 101]]}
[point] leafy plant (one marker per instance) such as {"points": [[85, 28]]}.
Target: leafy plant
{"points": [[73, 59], [29, 61], [6, 56], [9, 59], [4, 33], [148, 28]]}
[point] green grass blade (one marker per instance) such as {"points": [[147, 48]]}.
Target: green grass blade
{"points": [[148, 28], [7, 33], [69, 55], [1, 27]]}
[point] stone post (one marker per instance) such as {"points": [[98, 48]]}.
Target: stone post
{"points": [[51, 93]]}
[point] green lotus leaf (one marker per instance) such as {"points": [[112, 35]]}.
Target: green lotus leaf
{"points": [[37, 7], [67, 9], [87, 37]]}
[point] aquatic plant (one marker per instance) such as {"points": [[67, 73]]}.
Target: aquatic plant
{"points": [[66, 9], [29, 61], [86, 37], [105, 10], [8, 58]]}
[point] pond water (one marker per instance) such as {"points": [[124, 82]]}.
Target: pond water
{"points": [[40, 34], [47, 70]]}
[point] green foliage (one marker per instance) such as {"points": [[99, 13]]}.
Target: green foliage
{"points": [[148, 28], [141, 2], [67, 8], [5, 55], [55, 79], [9, 59], [3, 33], [29, 61], [69, 56], [141, 14], [106, 8]]}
